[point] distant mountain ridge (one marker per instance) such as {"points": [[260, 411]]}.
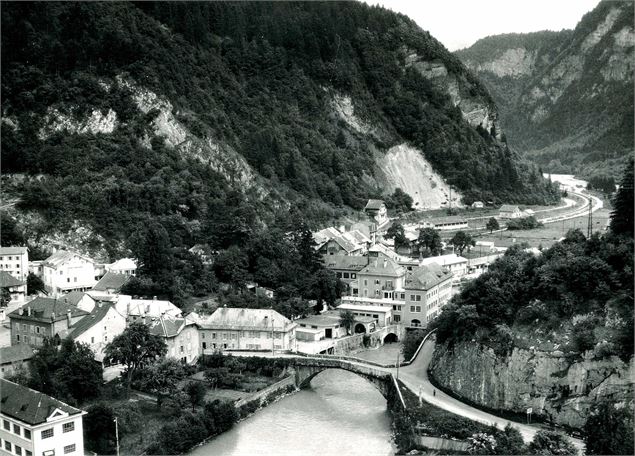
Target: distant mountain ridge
{"points": [[565, 98]]}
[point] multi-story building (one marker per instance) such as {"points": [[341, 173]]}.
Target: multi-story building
{"points": [[41, 318], [245, 329], [428, 289], [126, 266], [452, 262], [66, 271], [381, 278], [377, 210], [36, 424], [180, 335], [15, 261], [345, 267], [14, 358]]}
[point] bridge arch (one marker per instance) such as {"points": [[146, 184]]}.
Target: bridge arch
{"points": [[390, 338]]}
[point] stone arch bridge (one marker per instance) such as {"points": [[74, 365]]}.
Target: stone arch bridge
{"points": [[384, 381]]}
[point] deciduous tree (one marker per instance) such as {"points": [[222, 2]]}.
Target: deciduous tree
{"points": [[461, 240], [492, 224]]}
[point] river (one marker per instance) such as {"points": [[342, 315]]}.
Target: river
{"points": [[341, 414]]}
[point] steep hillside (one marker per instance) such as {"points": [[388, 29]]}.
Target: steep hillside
{"points": [[565, 97]]}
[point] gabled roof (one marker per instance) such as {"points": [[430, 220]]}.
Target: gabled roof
{"points": [[29, 406], [374, 204], [98, 313], [13, 250], [111, 281], [63, 256], [7, 280], [327, 319], [74, 297], [167, 326], [237, 318], [509, 208], [426, 277], [43, 309], [348, 262], [122, 264], [385, 266], [13, 353], [345, 243]]}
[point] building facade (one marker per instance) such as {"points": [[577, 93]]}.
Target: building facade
{"points": [[15, 287], [381, 278], [34, 424], [428, 289], [65, 271], [181, 335], [245, 329], [377, 210], [15, 261]]}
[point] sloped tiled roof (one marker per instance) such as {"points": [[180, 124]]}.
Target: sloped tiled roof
{"points": [[13, 353], [7, 280], [111, 281], [426, 277], [348, 262], [74, 297], [509, 208], [374, 204], [13, 250], [27, 405], [383, 265], [229, 317], [42, 309], [62, 256], [95, 316], [122, 263], [166, 326]]}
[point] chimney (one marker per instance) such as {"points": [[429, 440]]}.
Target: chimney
{"points": [[52, 316], [385, 262], [68, 317], [28, 310]]}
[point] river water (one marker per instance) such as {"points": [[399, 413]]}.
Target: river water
{"points": [[341, 414]]}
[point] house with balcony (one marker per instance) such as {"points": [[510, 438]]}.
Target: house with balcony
{"points": [[34, 423], [381, 278]]}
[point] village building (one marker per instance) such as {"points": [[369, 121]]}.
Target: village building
{"points": [[315, 328], [449, 223], [14, 358], [345, 267], [331, 241], [125, 266], [15, 261], [508, 211], [97, 329], [34, 423], [43, 318], [66, 271], [180, 334], [367, 317], [428, 289], [382, 277], [377, 210], [478, 205], [15, 287], [452, 262], [134, 310], [36, 267], [245, 329]]}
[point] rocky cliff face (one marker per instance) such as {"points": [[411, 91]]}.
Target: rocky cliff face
{"points": [[565, 97], [553, 385]]}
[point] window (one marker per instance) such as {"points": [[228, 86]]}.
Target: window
{"points": [[202, 335], [16, 429], [396, 318], [353, 275], [47, 433], [69, 449], [92, 340], [365, 282], [37, 329], [17, 337], [7, 445], [18, 450], [181, 348], [24, 327], [377, 281], [61, 272], [68, 280], [339, 275], [68, 427], [7, 425], [418, 308], [213, 335], [346, 275], [27, 434], [28, 453]]}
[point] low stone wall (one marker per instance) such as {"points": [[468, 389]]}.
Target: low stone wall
{"points": [[263, 393], [438, 443]]}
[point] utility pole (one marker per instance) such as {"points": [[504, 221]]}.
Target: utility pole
{"points": [[117, 435], [273, 353], [398, 353], [589, 229]]}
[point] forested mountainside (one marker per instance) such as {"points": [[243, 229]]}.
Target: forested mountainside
{"points": [[175, 124], [565, 98]]}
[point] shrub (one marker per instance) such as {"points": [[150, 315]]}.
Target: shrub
{"points": [[551, 442], [248, 408], [175, 404], [129, 417]]}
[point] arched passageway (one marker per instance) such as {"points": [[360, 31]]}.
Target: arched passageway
{"points": [[360, 328], [391, 338]]}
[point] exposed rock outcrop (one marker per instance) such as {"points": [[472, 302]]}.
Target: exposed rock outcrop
{"points": [[96, 122], [555, 386]]}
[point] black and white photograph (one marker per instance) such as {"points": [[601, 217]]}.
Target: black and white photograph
{"points": [[317, 228]]}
